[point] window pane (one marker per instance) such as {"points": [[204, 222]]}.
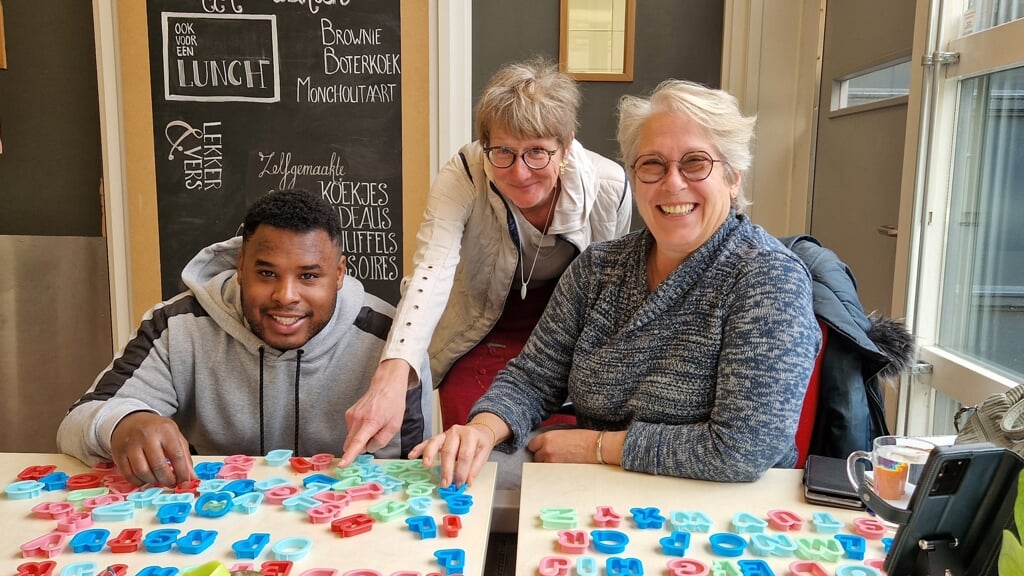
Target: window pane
{"points": [[982, 313], [889, 81], [984, 14]]}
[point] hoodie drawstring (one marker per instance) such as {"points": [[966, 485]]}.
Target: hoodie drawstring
{"points": [[298, 371], [262, 447], [298, 366]]}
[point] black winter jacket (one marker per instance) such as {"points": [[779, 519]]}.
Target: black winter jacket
{"points": [[861, 350]]}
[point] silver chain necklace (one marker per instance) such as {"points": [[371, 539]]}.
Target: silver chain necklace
{"points": [[522, 265]]}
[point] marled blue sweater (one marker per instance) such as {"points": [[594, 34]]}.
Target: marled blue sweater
{"points": [[707, 374]]}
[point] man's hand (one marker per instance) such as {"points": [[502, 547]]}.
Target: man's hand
{"points": [[377, 416], [149, 449]]}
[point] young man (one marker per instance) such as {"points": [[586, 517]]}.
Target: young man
{"points": [[266, 350]]}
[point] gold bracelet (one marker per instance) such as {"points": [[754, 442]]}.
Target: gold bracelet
{"points": [[600, 440], [494, 435]]}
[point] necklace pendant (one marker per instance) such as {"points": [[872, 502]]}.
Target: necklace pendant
{"points": [[522, 292]]}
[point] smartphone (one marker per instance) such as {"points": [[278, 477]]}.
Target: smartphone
{"points": [[958, 511], [826, 483]]}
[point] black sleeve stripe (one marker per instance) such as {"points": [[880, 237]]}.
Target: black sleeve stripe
{"points": [[412, 424], [372, 322], [465, 166], [139, 347]]}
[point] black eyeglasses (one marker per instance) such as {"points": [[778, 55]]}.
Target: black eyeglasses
{"points": [[694, 167], [504, 157]]}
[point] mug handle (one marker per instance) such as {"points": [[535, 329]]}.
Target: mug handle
{"points": [[854, 472]]}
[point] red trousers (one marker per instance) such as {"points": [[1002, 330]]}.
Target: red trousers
{"points": [[471, 375]]}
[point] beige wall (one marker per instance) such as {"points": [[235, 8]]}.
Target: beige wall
{"points": [[770, 62]]}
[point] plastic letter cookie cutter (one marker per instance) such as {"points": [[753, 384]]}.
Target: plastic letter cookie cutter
{"points": [[607, 517], [554, 566], [158, 571], [449, 491], [459, 504], [319, 479], [675, 544], [241, 486], [558, 518], [92, 540], [196, 541], [174, 512], [824, 549], [772, 544], [279, 494], [755, 568], [44, 568], [160, 540], [616, 566], [870, 528], [116, 512], [74, 522], [54, 481], [278, 457], [251, 547], [334, 572], [268, 484], [587, 566], [174, 498], [276, 567], [368, 572], [46, 546], [690, 521], [84, 481], [207, 470], [300, 502], [352, 525], [417, 489], [247, 503], [452, 560], [573, 541], [609, 541], [126, 542], [36, 472], [116, 570], [747, 523], [420, 504], [645, 518], [725, 568], [300, 464], [826, 523], [233, 472], [856, 570], [101, 500], [321, 461], [388, 510], [144, 498], [294, 548], [24, 489], [687, 567], [727, 544], [887, 543], [783, 520], [240, 460], [53, 510], [80, 569], [422, 525], [367, 491], [807, 568], [451, 525], [325, 513], [854, 546]]}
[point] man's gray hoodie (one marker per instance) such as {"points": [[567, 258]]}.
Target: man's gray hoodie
{"points": [[194, 359]]}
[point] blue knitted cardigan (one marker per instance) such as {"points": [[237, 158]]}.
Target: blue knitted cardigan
{"points": [[706, 374]]}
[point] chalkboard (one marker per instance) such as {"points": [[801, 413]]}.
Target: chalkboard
{"points": [[253, 95]]}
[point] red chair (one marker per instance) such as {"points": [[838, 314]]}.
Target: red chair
{"points": [[805, 429]]}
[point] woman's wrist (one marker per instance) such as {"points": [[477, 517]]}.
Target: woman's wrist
{"points": [[599, 446], [484, 425]]}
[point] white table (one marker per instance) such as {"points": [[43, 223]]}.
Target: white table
{"points": [[390, 547], [584, 487]]}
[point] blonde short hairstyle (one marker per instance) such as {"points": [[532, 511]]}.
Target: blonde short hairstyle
{"points": [[716, 111], [529, 99]]}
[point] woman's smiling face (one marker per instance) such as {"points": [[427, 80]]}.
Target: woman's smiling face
{"points": [[680, 214]]}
